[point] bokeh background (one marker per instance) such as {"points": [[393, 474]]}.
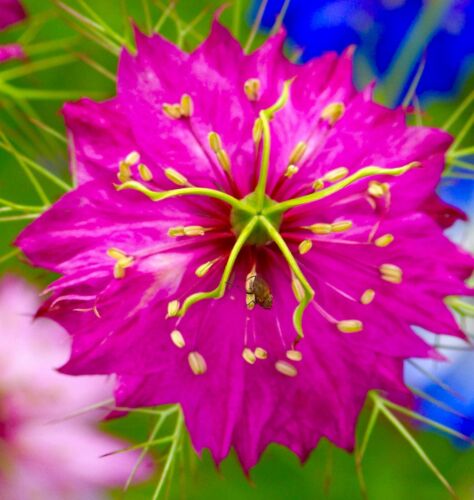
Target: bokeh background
{"points": [[30, 103]]}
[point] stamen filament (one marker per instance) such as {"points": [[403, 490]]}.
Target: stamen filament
{"points": [[308, 291], [323, 193]]}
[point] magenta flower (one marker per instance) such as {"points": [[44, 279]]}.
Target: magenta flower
{"points": [[270, 240], [11, 12], [45, 455]]}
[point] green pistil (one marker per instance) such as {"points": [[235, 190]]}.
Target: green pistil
{"points": [[266, 115], [234, 253], [323, 193], [308, 291], [191, 191]]}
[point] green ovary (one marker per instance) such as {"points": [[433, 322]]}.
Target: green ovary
{"points": [[240, 218]]}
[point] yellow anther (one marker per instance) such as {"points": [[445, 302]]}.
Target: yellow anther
{"points": [[203, 269], [318, 184], [286, 369], [297, 153], [132, 158], [223, 159], [333, 112], [122, 262], [145, 173], [320, 228], [261, 353], [257, 131], [124, 174], [350, 326], [336, 174], [172, 110], [249, 356], [378, 189], [291, 170], [252, 89], [391, 273], [173, 308], [367, 297], [197, 363], [215, 141], [341, 226], [250, 301], [194, 231], [177, 339], [176, 231], [119, 272], [175, 177], [384, 240], [116, 254], [298, 289], [186, 106], [294, 355], [305, 246]]}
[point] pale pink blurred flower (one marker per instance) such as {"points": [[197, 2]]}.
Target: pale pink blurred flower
{"points": [[44, 454]]}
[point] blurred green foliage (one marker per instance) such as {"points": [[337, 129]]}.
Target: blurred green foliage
{"points": [[391, 468]]}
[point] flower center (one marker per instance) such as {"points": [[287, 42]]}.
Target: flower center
{"points": [[240, 218], [256, 218]]}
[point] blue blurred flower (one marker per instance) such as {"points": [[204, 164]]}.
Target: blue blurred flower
{"points": [[381, 29], [461, 401], [457, 374]]}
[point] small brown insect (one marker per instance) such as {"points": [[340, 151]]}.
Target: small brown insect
{"points": [[260, 290]]}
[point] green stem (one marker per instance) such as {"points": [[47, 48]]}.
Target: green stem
{"points": [[463, 132], [309, 292], [176, 437], [460, 306], [455, 162], [36, 66], [9, 255], [22, 208], [156, 428], [459, 111], [34, 181], [461, 152], [164, 15], [414, 84], [15, 218], [281, 16], [425, 420], [411, 440], [368, 432], [323, 193], [191, 191], [35, 166], [40, 94], [255, 26], [237, 18], [234, 253]]}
